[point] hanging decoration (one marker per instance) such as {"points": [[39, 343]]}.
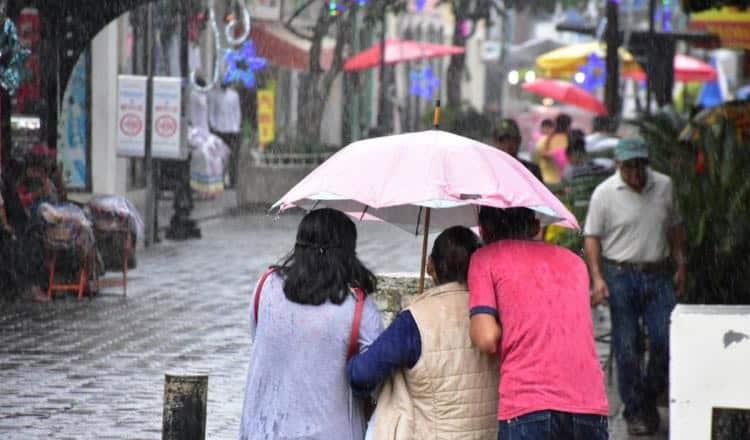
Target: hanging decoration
{"points": [[242, 64], [420, 4], [663, 15], [12, 58], [210, 81], [593, 74], [424, 83], [338, 7]]}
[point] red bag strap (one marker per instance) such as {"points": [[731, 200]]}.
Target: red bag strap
{"points": [[258, 290], [354, 337]]}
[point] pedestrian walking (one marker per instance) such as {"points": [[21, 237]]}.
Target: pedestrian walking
{"points": [[304, 313], [530, 304], [632, 229], [225, 118], [550, 150], [507, 137], [435, 382]]}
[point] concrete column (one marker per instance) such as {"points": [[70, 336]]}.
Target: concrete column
{"points": [[108, 172]]}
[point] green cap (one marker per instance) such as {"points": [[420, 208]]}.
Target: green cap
{"points": [[631, 148]]}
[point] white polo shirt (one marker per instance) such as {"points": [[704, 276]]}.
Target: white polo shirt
{"points": [[633, 227]]}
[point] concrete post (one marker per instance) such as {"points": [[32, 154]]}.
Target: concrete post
{"points": [[185, 397]]}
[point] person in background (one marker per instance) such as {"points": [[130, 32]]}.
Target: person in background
{"points": [[198, 105], [634, 240], [601, 141], [435, 382], [225, 118], [296, 381], [530, 304], [507, 138], [550, 150], [579, 164]]}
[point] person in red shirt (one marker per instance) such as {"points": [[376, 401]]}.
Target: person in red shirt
{"points": [[530, 304]]}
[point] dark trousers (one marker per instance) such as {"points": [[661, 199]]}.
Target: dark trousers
{"points": [[233, 142], [634, 297], [554, 425]]}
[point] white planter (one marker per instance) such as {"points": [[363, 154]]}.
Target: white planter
{"points": [[709, 366]]}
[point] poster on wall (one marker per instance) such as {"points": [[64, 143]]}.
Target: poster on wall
{"points": [[73, 149], [131, 115]]}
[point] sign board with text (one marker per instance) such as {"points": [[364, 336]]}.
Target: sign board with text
{"points": [[266, 116], [166, 124], [131, 115], [166, 127]]}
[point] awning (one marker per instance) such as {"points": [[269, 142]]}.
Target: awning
{"points": [[730, 24], [284, 49]]}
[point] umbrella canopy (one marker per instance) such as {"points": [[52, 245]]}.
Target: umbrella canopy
{"points": [[397, 51], [567, 61], [686, 69], [394, 178], [569, 93]]}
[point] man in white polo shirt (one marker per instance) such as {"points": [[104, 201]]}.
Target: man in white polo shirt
{"points": [[634, 243]]}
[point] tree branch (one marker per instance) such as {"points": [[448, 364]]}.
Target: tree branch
{"points": [[288, 22]]}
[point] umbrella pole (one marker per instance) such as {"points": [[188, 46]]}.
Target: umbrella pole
{"points": [[423, 266]]}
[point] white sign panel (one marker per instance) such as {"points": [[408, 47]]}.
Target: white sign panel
{"points": [[131, 115], [491, 51], [166, 130]]}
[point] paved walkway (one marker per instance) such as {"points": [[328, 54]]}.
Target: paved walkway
{"points": [[94, 369]]}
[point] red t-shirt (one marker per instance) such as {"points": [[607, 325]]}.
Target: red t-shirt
{"points": [[548, 360]]}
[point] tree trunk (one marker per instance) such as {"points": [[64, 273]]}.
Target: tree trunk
{"points": [[457, 64], [316, 88]]}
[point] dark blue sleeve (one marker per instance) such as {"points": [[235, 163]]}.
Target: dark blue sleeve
{"points": [[399, 346]]}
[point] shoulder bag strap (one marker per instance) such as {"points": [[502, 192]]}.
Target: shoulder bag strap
{"points": [[258, 290], [354, 337]]}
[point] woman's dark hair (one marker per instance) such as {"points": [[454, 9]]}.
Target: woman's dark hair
{"points": [[563, 122], [576, 143], [507, 224], [547, 123], [323, 265], [451, 253]]}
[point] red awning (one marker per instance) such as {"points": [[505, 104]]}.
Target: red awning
{"points": [[284, 49]]}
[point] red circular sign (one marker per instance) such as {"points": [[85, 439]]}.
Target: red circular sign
{"points": [[131, 124], [166, 126]]}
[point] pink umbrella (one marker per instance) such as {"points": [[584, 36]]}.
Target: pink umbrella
{"points": [[566, 92], [686, 69], [432, 175], [397, 51]]}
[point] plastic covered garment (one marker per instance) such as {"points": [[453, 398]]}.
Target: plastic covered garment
{"points": [[66, 227], [115, 213], [209, 157]]}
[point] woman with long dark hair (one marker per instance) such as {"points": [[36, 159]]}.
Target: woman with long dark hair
{"points": [[302, 320]]}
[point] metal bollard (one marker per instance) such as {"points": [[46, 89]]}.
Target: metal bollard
{"points": [[185, 397]]}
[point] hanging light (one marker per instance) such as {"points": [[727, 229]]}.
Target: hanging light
{"points": [[514, 77]]}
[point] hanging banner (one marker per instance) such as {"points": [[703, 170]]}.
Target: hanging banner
{"points": [[266, 116], [165, 126], [73, 149], [131, 115]]}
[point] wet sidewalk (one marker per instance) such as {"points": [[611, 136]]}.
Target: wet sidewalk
{"points": [[94, 369]]}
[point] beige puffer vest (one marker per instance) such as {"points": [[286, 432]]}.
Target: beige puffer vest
{"points": [[451, 392]]}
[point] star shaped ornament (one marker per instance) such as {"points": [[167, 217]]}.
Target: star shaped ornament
{"points": [[242, 64], [424, 83]]}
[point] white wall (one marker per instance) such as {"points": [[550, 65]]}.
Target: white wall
{"points": [[709, 357], [108, 171]]}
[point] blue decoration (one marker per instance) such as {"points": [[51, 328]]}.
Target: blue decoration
{"points": [[12, 58], [242, 64], [424, 83], [595, 73], [420, 4], [711, 94]]}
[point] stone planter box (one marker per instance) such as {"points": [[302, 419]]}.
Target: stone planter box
{"points": [[264, 177], [395, 291]]}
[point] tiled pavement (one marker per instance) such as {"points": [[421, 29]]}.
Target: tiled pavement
{"points": [[95, 368]]}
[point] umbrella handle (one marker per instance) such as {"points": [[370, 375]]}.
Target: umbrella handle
{"points": [[436, 117], [424, 249]]}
